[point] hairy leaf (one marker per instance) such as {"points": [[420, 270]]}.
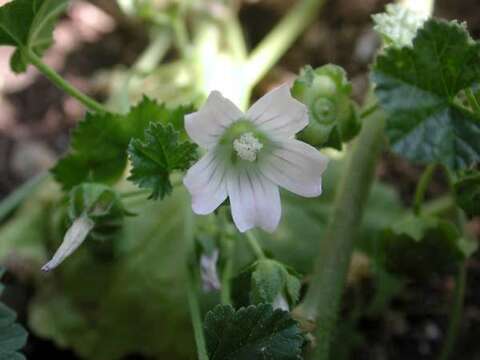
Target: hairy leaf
{"points": [[28, 25], [13, 336], [99, 143], [418, 87], [155, 158], [255, 332]]}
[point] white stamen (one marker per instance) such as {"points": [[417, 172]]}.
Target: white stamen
{"points": [[247, 146]]}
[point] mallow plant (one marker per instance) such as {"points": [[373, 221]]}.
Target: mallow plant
{"points": [[191, 200]]}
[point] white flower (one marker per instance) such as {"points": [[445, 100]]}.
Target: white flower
{"points": [[249, 156]]}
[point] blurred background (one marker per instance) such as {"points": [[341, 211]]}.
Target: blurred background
{"points": [[97, 41]]}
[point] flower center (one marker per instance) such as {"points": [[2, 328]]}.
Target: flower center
{"points": [[247, 146]]}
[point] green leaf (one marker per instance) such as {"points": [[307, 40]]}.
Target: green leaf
{"points": [[155, 158], [467, 189], [99, 143], [418, 86], [98, 152], [28, 25], [13, 336], [151, 245], [418, 245], [326, 92], [255, 332]]}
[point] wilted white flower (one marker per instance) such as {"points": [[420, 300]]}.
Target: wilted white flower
{"points": [[250, 155], [74, 237]]}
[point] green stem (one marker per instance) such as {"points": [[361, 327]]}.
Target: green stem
{"points": [[322, 301], [235, 37], [60, 82], [192, 289], [456, 313], [225, 294], [227, 247], [254, 245], [472, 99], [135, 193], [13, 200], [277, 42], [422, 187]]}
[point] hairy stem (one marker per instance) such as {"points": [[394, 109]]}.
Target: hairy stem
{"points": [[322, 301], [60, 82], [277, 42]]}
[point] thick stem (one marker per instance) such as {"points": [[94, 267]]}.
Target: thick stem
{"points": [[277, 42], [322, 301], [456, 313], [60, 82]]}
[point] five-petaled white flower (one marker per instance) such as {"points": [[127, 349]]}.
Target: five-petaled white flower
{"points": [[249, 156]]}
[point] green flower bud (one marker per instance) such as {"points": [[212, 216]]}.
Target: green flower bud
{"points": [[333, 116]]}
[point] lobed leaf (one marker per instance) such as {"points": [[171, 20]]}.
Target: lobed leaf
{"points": [[252, 333], [13, 336], [99, 143], [418, 86], [28, 25], [155, 158]]}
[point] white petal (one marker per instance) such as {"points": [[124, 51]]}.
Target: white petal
{"points": [[74, 237], [297, 167], [206, 125], [279, 114], [255, 200], [206, 183]]}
